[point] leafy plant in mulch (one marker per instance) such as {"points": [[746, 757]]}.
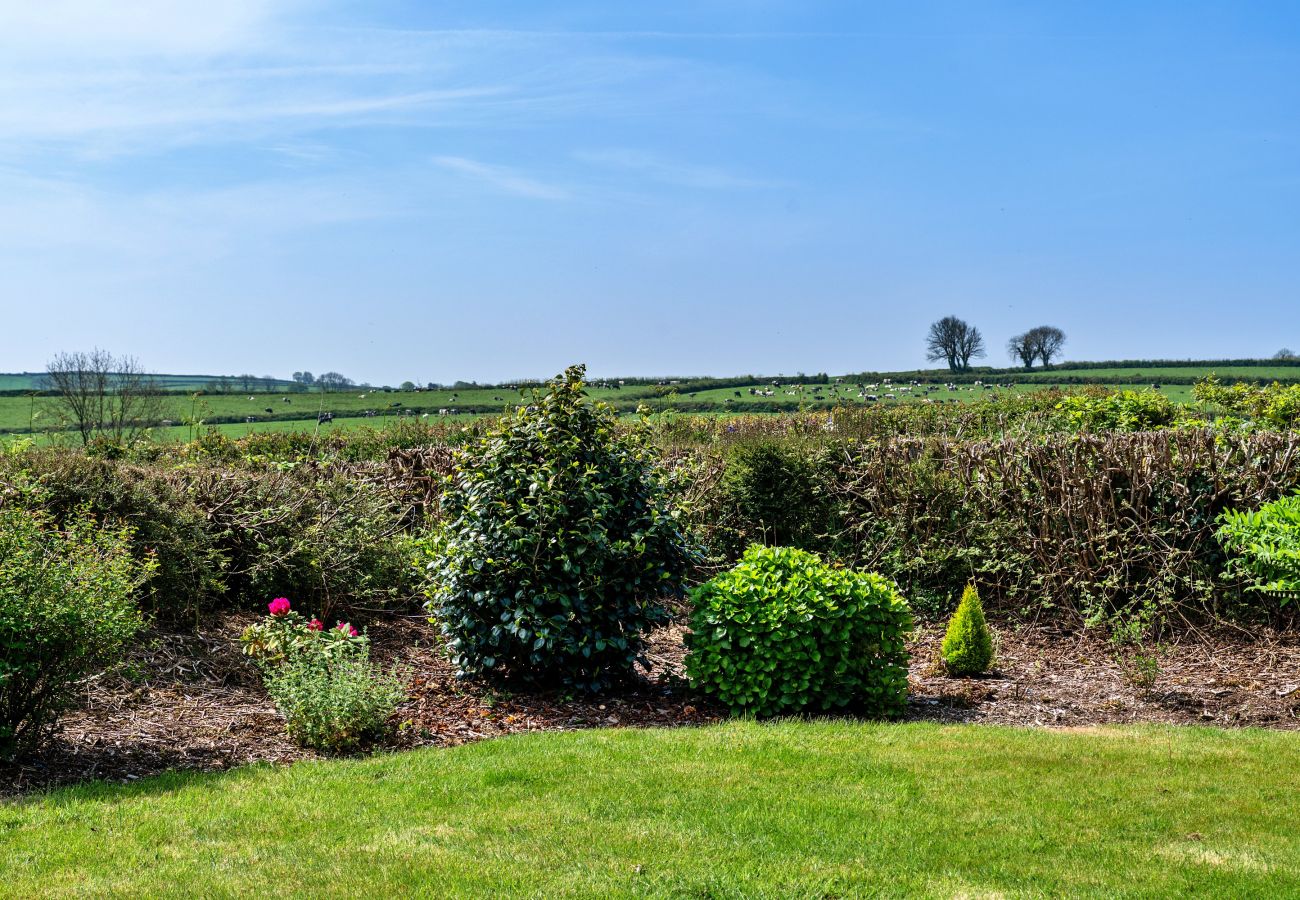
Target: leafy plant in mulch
{"points": [[967, 647], [558, 544], [321, 679], [783, 632]]}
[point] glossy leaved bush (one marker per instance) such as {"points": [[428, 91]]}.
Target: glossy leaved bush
{"points": [[967, 647], [557, 544], [782, 632]]}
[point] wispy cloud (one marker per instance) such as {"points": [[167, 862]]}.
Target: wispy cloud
{"points": [[655, 168], [106, 29], [502, 179]]}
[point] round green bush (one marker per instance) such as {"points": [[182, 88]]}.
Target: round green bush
{"points": [[783, 632], [557, 545], [967, 647]]}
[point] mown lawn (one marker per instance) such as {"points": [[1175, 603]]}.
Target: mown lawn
{"points": [[740, 810]]}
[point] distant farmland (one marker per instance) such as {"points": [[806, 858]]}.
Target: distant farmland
{"points": [[35, 381], [284, 410]]}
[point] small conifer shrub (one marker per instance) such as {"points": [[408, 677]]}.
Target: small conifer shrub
{"points": [[968, 646]]}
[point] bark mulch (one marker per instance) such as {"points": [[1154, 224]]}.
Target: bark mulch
{"points": [[191, 701]]}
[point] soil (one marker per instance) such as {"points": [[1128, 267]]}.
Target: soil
{"points": [[191, 701]]}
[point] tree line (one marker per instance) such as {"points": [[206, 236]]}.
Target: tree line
{"points": [[956, 342]]}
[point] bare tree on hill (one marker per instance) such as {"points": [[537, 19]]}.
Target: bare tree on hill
{"points": [[98, 393], [1022, 347], [1049, 340], [954, 341], [1041, 343]]}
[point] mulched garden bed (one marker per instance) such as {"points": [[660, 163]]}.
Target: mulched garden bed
{"points": [[191, 701]]}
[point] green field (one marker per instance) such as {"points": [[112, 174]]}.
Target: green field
{"points": [[31, 381], [240, 413], [1160, 374], [297, 412], [824, 809]]}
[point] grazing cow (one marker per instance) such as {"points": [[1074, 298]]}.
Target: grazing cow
{"points": [[325, 419], [286, 400], [269, 411]]}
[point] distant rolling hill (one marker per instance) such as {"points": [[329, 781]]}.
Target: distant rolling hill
{"points": [[34, 381]]}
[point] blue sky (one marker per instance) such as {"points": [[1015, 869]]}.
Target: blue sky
{"points": [[490, 190]]}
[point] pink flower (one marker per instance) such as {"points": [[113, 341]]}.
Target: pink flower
{"points": [[316, 625], [279, 606], [347, 629]]}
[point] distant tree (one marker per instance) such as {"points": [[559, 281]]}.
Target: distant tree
{"points": [[1049, 340], [1022, 347], [1041, 343], [103, 394], [1285, 353], [407, 386], [954, 341], [305, 378], [333, 381]]}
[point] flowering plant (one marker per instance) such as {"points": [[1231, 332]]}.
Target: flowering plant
{"points": [[321, 679], [285, 633]]}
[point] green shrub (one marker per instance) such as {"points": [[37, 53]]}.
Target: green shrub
{"points": [[334, 702], [782, 632], [66, 610], [1265, 545], [1272, 406], [967, 647], [557, 545], [775, 491], [1119, 411]]}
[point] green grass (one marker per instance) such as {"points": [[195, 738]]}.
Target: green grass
{"points": [[740, 810], [1158, 374], [17, 413], [29, 381]]}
